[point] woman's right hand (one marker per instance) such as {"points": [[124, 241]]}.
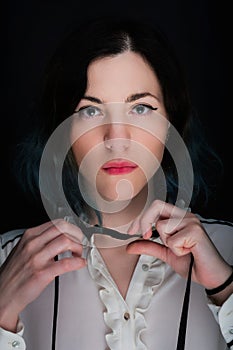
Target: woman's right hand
{"points": [[31, 266]]}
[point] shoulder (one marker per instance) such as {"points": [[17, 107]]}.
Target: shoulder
{"points": [[8, 241], [10, 237], [221, 234], [216, 226]]}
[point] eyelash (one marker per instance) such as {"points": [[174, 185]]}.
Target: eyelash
{"points": [[145, 105], [83, 108]]}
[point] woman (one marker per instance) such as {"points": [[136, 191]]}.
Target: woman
{"points": [[117, 147]]}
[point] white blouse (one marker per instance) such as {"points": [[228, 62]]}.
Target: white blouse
{"points": [[92, 314]]}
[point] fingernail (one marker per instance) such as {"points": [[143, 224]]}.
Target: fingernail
{"points": [[147, 234]]}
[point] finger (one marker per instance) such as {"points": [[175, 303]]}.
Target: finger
{"points": [[178, 264], [157, 210], [38, 230], [168, 227], [68, 228], [182, 242], [134, 227], [60, 225], [144, 222], [151, 216], [173, 224], [35, 240], [148, 248], [67, 265], [41, 228], [44, 276], [72, 231], [59, 245]]}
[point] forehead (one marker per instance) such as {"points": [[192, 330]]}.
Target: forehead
{"points": [[113, 79]]}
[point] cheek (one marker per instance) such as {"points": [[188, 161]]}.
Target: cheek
{"points": [[82, 146], [158, 150], [151, 143], [78, 152], [146, 141], [84, 137]]}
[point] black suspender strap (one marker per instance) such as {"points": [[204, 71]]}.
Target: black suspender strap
{"points": [[55, 310], [183, 319], [184, 314]]}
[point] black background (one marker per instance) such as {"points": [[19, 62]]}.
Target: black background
{"points": [[201, 32]]}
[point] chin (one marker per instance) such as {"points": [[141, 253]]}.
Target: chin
{"points": [[120, 192], [116, 197]]}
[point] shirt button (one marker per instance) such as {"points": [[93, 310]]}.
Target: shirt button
{"points": [[231, 330], [145, 267], [15, 344], [126, 316]]}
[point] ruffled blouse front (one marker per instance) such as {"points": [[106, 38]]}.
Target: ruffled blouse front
{"points": [[91, 313], [125, 317]]}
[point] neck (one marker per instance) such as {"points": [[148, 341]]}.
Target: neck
{"points": [[122, 219]]}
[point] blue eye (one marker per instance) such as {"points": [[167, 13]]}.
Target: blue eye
{"points": [[88, 112], [142, 109]]}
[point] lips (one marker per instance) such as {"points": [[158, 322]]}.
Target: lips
{"points": [[118, 167]]}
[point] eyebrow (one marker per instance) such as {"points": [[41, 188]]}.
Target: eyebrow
{"points": [[92, 99], [130, 98], [137, 96]]}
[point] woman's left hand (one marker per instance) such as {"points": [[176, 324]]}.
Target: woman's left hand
{"points": [[181, 233]]}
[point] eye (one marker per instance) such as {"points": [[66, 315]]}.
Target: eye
{"points": [[142, 109], [88, 112]]}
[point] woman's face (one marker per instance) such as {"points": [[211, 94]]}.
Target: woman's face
{"points": [[116, 152]]}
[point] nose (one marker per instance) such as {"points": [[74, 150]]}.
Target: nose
{"points": [[117, 137]]}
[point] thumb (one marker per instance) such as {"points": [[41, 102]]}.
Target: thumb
{"points": [[148, 248]]}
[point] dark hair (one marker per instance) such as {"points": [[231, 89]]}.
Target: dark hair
{"points": [[65, 84]]}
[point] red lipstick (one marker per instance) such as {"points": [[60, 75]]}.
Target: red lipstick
{"points": [[119, 167]]}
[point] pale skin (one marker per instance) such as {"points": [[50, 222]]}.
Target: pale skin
{"points": [[31, 265]]}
